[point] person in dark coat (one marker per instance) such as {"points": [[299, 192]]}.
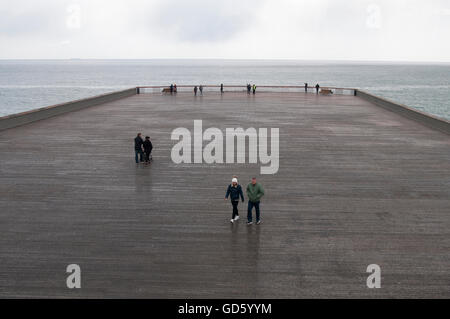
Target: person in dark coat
{"points": [[139, 154], [195, 90], [234, 191], [317, 88], [148, 147]]}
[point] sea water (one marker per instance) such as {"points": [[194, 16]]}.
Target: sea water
{"points": [[30, 84]]}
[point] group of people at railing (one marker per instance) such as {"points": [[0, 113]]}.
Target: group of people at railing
{"points": [[317, 88], [198, 89], [251, 88], [171, 89]]}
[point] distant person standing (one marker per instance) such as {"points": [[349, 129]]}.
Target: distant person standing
{"points": [[249, 88], [221, 88], [306, 87], [139, 153], [254, 88], [254, 193], [148, 147], [175, 88], [195, 90], [234, 191], [201, 89], [171, 88], [317, 88]]}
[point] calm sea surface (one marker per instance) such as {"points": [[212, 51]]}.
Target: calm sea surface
{"points": [[26, 85]]}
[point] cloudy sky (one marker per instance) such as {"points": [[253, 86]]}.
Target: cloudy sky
{"points": [[397, 30]]}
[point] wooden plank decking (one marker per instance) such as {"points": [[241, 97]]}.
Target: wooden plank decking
{"points": [[357, 185]]}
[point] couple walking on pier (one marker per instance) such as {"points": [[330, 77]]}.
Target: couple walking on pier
{"points": [[254, 193], [142, 149]]}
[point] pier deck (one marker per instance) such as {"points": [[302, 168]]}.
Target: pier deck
{"points": [[357, 185]]}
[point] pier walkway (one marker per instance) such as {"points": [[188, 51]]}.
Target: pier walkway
{"points": [[357, 185]]}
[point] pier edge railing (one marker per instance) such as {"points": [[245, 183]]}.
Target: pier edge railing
{"points": [[242, 88], [426, 119], [14, 120]]}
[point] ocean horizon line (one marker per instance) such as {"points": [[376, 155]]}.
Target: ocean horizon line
{"points": [[326, 61]]}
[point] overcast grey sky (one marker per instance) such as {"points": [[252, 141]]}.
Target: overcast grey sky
{"points": [[396, 30]]}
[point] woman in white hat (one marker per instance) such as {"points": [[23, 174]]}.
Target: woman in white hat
{"points": [[234, 191]]}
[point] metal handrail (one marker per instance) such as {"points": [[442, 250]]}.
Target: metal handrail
{"points": [[243, 86]]}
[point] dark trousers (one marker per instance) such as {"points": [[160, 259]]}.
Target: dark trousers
{"points": [[249, 211], [147, 155], [140, 157], [235, 204]]}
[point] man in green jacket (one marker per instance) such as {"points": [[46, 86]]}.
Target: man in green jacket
{"points": [[254, 192]]}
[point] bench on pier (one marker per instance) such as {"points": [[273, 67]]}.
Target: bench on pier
{"points": [[326, 91]]}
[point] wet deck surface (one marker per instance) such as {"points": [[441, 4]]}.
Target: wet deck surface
{"points": [[357, 185]]}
